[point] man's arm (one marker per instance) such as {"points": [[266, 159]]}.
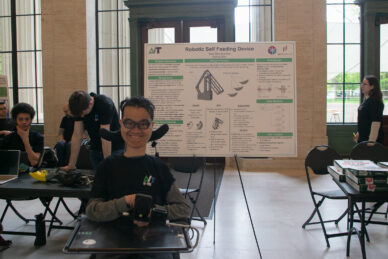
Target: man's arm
{"points": [[33, 157], [75, 144], [177, 206], [106, 145], [5, 132], [60, 134], [100, 210]]}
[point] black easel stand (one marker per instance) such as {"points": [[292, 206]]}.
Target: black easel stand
{"points": [[246, 202]]}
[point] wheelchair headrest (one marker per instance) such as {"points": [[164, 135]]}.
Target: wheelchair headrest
{"points": [[116, 135]]}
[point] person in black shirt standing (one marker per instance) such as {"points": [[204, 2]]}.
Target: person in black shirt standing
{"points": [[66, 128], [23, 138], [92, 112], [370, 112]]}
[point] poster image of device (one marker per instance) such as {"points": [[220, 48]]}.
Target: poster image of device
{"points": [[221, 85]]}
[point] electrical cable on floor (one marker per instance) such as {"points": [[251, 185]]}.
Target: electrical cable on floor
{"points": [[246, 202], [187, 226]]}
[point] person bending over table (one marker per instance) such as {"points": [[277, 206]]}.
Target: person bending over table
{"points": [[92, 112], [23, 138]]}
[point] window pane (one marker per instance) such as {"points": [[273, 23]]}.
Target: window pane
{"points": [[241, 23], [334, 103], [334, 64], [26, 69], [5, 8], [352, 24], [384, 64], [124, 29], [261, 24], [352, 64], [38, 7], [24, 7], [38, 32], [334, 19], [108, 67], [203, 34], [25, 32], [125, 67], [107, 23], [352, 101], [161, 35], [39, 117], [6, 66], [107, 4], [243, 2], [39, 72], [125, 92], [112, 92], [5, 34], [28, 96]]}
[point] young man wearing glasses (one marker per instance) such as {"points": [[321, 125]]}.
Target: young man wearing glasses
{"points": [[92, 112], [120, 178]]}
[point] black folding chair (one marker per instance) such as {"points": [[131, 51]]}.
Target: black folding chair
{"points": [[376, 152], [317, 160], [190, 165]]}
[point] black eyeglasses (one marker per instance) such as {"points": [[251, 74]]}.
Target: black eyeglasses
{"points": [[142, 125]]}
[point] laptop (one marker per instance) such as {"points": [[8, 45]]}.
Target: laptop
{"points": [[9, 165]]}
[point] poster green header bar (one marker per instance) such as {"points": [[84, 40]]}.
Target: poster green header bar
{"points": [[274, 101], [165, 77], [226, 60], [274, 134], [164, 61], [168, 121], [274, 60]]}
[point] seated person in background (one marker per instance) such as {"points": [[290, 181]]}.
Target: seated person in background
{"points": [[62, 148], [120, 177], [23, 138], [6, 124]]}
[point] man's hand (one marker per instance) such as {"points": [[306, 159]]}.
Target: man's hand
{"points": [[5, 132], [130, 200], [23, 133], [68, 168], [140, 223], [355, 137]]}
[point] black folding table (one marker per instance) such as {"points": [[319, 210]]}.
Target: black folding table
{"points": [[355, 196], [26, 186], [123, 237]]}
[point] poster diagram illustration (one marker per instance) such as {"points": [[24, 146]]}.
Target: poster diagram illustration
{"points": [[209, 84], [224, 99]]}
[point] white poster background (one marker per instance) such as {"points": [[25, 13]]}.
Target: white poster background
{"points": [[223, 99]]}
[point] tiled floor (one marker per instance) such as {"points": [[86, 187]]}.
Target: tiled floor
{"points": [[279, 205]]}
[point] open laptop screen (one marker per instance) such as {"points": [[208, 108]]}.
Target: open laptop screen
{"points": [[9, 162]]}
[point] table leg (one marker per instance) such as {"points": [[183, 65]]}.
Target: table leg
{"points": [[350, 224], [40, 230], [363, 230]]}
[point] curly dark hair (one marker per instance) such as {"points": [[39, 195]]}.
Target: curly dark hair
{"points": [[22, 108], [139, 102], [78, 102]]}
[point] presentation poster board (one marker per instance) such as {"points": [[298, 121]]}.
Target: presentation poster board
{"points": [[223, 99]]}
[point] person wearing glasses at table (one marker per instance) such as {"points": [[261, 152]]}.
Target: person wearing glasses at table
{"points": [[92, 112], [119, 178], [370, 112]]}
